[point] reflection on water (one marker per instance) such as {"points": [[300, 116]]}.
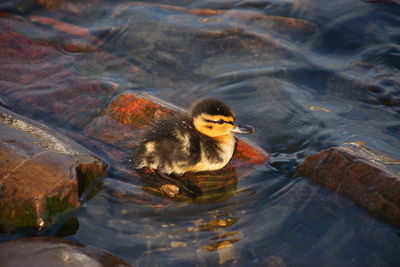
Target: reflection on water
{"points": [[326, 75]]}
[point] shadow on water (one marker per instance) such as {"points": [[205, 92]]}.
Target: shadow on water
{"points": [[307, 75]]}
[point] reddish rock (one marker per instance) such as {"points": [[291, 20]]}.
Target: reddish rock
{"points": [[136, 111], [42, 173], [51, 251], [250, 153], [358, 174]]}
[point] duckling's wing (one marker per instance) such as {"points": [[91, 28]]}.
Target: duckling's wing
{"points": [[170, 146]]}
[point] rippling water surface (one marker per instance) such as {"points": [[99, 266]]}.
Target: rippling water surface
{"points": [[307, 75]]}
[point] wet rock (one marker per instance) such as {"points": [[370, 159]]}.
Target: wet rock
{"points": [[359, 174], [50, 251], [42, 173], [137, 111]]}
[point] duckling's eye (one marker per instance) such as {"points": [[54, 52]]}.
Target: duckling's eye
{"points": [[220, 121]]}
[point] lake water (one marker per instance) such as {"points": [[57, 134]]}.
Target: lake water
{"points": [[307, 75]]}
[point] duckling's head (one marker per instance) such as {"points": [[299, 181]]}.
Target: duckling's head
{"points": [[214, 118]]}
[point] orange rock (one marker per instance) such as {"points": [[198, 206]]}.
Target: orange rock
{"points": [[250, 153], [136, 111]]}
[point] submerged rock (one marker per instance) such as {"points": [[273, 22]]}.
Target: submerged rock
{"points": [[51, 251], [178, 42], [62, 79], [359, 174], [42, 173]]}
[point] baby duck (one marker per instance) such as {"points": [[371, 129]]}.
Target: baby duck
{"points": [[202, 141]]}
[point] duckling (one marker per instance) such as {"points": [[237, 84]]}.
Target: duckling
{"points": [[200, 141]]}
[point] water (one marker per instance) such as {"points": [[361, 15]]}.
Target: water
{"points": [[327, 78]]}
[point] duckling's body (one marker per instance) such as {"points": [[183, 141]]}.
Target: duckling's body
{"points": [[201, 141]]}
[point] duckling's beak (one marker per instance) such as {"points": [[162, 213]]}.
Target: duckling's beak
{"points": [[243, 129]]}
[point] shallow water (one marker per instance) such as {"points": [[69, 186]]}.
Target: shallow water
{"points": [[332, 79]]}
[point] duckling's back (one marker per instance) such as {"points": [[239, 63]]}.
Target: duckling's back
{"points": [[169, 146]]}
